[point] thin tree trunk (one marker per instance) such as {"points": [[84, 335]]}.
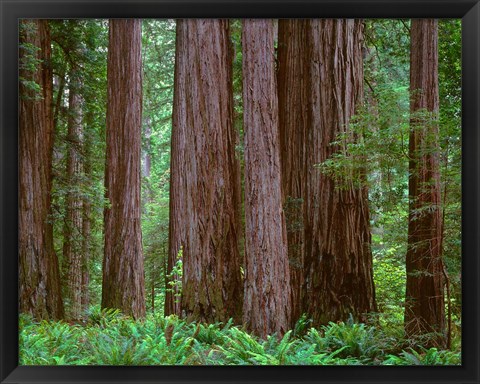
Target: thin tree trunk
{"points": [[87, 216], [338, 257], [146, 157], [58, 100], [267, 300], [152, 283], [205, 176], [72, 246], [39, 275], [424, 301], [86, 241], [123, 271]]}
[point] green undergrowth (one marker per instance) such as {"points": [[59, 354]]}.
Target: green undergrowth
{"points": [[110, 338]]}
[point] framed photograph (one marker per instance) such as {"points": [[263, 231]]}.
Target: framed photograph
{"points": [[240, 191]]}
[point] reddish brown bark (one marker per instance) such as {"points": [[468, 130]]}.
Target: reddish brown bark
{"points": [[293, 104], [39, 276], [205, 178], [123, 272], [267, 300], [424, 306], [72, 245], [338, 258], [87, 216]]}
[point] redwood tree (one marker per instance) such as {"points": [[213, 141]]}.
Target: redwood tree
{"points": [[267, 301], [338, 257], [123, 272], [39, 276], [86, 219], [293, 104], [424, 303], [205, 176], [72, 245]]}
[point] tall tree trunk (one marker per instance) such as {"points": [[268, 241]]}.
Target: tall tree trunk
{"points": [[293, 102], [205, 176], [87, 214], [424, 302], [338, 257], [267, 300], [72, 245], [146, 157], [86, 241], [39, 275], [123, 272], [153, 278]]}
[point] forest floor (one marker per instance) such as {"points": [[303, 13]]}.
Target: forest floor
{"points": [[110, 338]]}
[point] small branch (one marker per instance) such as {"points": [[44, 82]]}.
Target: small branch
{"points": [[449, 311], [405, 25], [371, 88]]}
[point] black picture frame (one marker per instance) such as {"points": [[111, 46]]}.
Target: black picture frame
{"points": [[12, 10]]}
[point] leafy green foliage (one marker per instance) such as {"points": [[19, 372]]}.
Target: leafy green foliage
{"points": [[301, 326], [389, 275], [357, 340], [110, 338], [450, 89], [175, 277], [426, 357], [155, 248], [29, 63], [79, 60], [158, 60]]}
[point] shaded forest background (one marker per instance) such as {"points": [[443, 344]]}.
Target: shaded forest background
{"points": [[189, 189]]}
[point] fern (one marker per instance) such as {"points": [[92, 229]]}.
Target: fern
{"points": [[110, 338], [359, 340], [241, 348], [425, 357]]}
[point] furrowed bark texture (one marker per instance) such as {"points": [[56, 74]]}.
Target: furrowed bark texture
{"points": [[267, 300], [338, 258], [424, 307], [205, 176], [123, 273], [72, 246], [293, 103], [87, 216], [39, 275]]}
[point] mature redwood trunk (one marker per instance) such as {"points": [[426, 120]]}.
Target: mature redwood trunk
{"points": [[267, 300], [205, 176], [424, 302], [39, 276], [72, 245], [123, 272], [293, 104], [338, 258]]}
